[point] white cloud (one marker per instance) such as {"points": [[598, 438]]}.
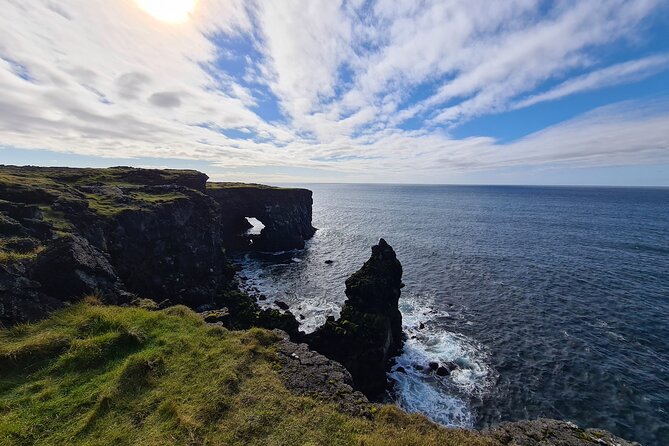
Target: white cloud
{"points": [[635, 70], [104, 78]]}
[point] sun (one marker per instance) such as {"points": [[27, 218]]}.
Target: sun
{"points": [[170, 11]]}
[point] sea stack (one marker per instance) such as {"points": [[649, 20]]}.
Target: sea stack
{"points": [[369, 330]]}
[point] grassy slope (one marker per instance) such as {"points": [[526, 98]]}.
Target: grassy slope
{"points": [[96, 375]]}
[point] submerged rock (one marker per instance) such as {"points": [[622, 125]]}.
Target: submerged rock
{"points": [[369, 331], [282, 305]]}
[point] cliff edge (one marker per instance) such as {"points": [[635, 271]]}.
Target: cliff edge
{"points": [[124, 233]]}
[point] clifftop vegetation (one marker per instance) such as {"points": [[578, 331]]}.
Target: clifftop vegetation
{"points": [[97, 375]]}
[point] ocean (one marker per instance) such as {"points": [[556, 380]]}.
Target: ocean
{"points": [[553, 301]]}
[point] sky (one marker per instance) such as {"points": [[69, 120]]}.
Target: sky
{"points": [[396, 91]]}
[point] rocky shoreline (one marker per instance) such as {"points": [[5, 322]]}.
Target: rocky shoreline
{"points": [[156, 238]]}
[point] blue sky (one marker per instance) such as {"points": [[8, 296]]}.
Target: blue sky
{"points": [[471, 91]]}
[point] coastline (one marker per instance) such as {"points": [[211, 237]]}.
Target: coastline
{"points": [[73, 232]]}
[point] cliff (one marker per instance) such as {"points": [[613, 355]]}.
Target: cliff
{"points": [[285, 212], [125, 233], [155, 372]]}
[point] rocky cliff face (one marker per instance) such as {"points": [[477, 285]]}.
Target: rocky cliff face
{"points": [[369, 330], [119, 232], [285, 212]]}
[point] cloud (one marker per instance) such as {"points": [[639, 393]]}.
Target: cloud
{"points": [[166, 99], [130, 85], [360, 88], [631, 71]]}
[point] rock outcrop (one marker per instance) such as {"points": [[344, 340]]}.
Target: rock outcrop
{"points": [[307, 372], [21, 299], [157, 234], [71, 267], [285, 212], [546, 432], [369, 330]]}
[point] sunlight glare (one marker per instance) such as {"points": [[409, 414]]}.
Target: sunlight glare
{"points": [[170, 11]]}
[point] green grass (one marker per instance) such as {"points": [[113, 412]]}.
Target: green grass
{"points": [[56, 219], [7, 256], [233, 185], [157, 198], [134, 200], [107, 205], [122, 176], [10, 255], [96, 375]]}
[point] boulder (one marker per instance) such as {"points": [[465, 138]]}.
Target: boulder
{"points": [[369, 330], [70, 268]]}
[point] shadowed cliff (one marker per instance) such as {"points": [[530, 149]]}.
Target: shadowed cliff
{"points": [[123, 233]]}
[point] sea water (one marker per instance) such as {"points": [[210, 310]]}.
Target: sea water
{"points": [[553, 301]]}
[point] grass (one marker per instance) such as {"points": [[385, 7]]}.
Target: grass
{"points": [[157, 198], [10, 255], [233, 185], [121, 176], [107, 205], [134, 200], [97, 375], [14, 257]]}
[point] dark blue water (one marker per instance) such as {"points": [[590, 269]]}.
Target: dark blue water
{"points": [[554, 301]]}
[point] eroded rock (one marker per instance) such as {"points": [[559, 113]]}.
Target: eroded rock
{"points": [[306, 372], [71, 268], [546, 432], [369, 330]]}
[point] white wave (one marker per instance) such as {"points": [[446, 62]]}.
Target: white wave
{"points": [[443, 399]]}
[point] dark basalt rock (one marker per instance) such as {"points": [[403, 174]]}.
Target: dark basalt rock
{"points": [[545, 432], [173, 251], [306, 372], [153, 233], [242, 311], [21, 299], [71, 268], [369, 331], [286, 214], [282, 305]]}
